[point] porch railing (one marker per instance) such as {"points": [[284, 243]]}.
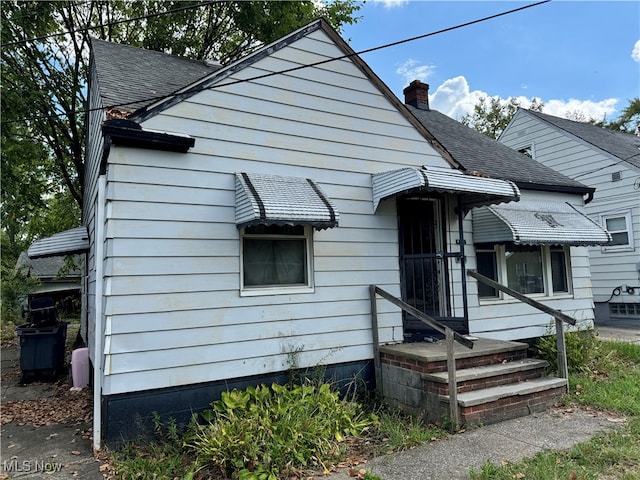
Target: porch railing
{"points": [[560, 318], [450, 335]]}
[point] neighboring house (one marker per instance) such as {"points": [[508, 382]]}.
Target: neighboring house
{"points": [[60, 278], [609, 162], [236, 224]]}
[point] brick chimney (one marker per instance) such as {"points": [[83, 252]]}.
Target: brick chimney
{"points": [[417, 94]]}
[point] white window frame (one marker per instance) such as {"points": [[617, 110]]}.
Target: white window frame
{"points": [[247, 291], [629, 247], [547, 272]]}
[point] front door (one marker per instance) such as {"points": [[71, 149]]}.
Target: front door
{"points": [[422, 264]]}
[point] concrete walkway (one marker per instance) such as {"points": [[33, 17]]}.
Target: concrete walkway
{"points": [[57, 450], [513, 440]]}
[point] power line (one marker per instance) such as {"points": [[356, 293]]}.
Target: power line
{"points": [[299, 67], [108, 24]]}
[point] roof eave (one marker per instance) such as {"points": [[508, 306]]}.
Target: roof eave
{"points": [[555, 188], [139, 138]]}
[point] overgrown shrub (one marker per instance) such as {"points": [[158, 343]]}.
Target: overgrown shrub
{"points": [[583, 349], [269, 432]]}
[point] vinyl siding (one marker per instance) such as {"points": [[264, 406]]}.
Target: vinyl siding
{"points": [[593, 167], [509, 319], [174, 314]]}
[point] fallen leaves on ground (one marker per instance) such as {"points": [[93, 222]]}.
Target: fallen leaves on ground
{"points": [[59, 406]]}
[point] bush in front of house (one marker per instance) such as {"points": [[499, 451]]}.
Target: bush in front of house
{"points": [[270, 432]]}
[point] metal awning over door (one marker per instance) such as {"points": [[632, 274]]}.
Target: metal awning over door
{"points": [[474, 190], [536, 223]]}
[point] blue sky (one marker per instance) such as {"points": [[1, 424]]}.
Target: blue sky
{"points": [[576, 56]]}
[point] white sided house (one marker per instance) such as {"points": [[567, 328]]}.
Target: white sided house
{"points": [[237, 223], [609, 162]]}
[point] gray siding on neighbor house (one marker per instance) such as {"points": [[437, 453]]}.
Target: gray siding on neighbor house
{"points": [[580, 160], [174, 313]]}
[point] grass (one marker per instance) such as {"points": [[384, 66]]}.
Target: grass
{"points": [[610, 381]]}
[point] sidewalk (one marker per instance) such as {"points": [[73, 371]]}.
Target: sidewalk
{"points": [[513, 440], [61, 448]]}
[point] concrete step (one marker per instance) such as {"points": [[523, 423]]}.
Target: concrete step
{"points": [[496, 404], [486, 371], [476, 378], [486, 395]]}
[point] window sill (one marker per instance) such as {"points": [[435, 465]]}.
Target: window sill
{"points": [[261, 291], [509, 300], [621, 249]]}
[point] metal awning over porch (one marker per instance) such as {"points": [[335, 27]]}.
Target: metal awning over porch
{"points": [[275, 200], [68, 242], [475, 191], [536, 223]]}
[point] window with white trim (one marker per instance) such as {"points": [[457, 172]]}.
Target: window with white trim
{"points": [[528, 269], [619, 226], [276, 259]]}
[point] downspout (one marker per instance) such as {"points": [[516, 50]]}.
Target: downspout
{"points": [[589, 197], [98, 333]]}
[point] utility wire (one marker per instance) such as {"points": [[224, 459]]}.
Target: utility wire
{"points": [[293, 69], [108, 24]]}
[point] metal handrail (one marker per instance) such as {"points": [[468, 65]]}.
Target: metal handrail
{"points": [[450, 336], [560, 318]]}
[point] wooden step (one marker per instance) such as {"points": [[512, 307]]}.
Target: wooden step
{"points": [[486, 376]]}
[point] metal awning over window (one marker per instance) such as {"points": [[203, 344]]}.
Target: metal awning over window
{"points": [[68, 242], [275, 200], [475, 191], [536, 223]]}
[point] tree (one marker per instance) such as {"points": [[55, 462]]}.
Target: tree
{"points": [[45, 55], [491, 116], [629, 120]]}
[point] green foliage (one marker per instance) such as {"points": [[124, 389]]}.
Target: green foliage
{"points": [[264, 432], [582, 348], [612, 380], [491, 116], [15, 287], [628, 121], [398, 431], [44, 85], [163, 458]]}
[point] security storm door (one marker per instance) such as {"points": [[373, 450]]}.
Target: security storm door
{"points": [[422, 264]]}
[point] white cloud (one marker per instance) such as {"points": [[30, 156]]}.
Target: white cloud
{"points": [[635, 53], [392, 3], [455, 98], [411, 70], [581, 109]]}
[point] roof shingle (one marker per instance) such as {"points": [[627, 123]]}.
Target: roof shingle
{"points": [[475, 151], [624, 146], [132, 78]]}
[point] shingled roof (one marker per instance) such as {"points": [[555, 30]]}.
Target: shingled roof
{"points": [[131, 78], [479, 153], [624, 146]]}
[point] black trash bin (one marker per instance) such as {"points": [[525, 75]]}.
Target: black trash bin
{"points": [[42, 350]]}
